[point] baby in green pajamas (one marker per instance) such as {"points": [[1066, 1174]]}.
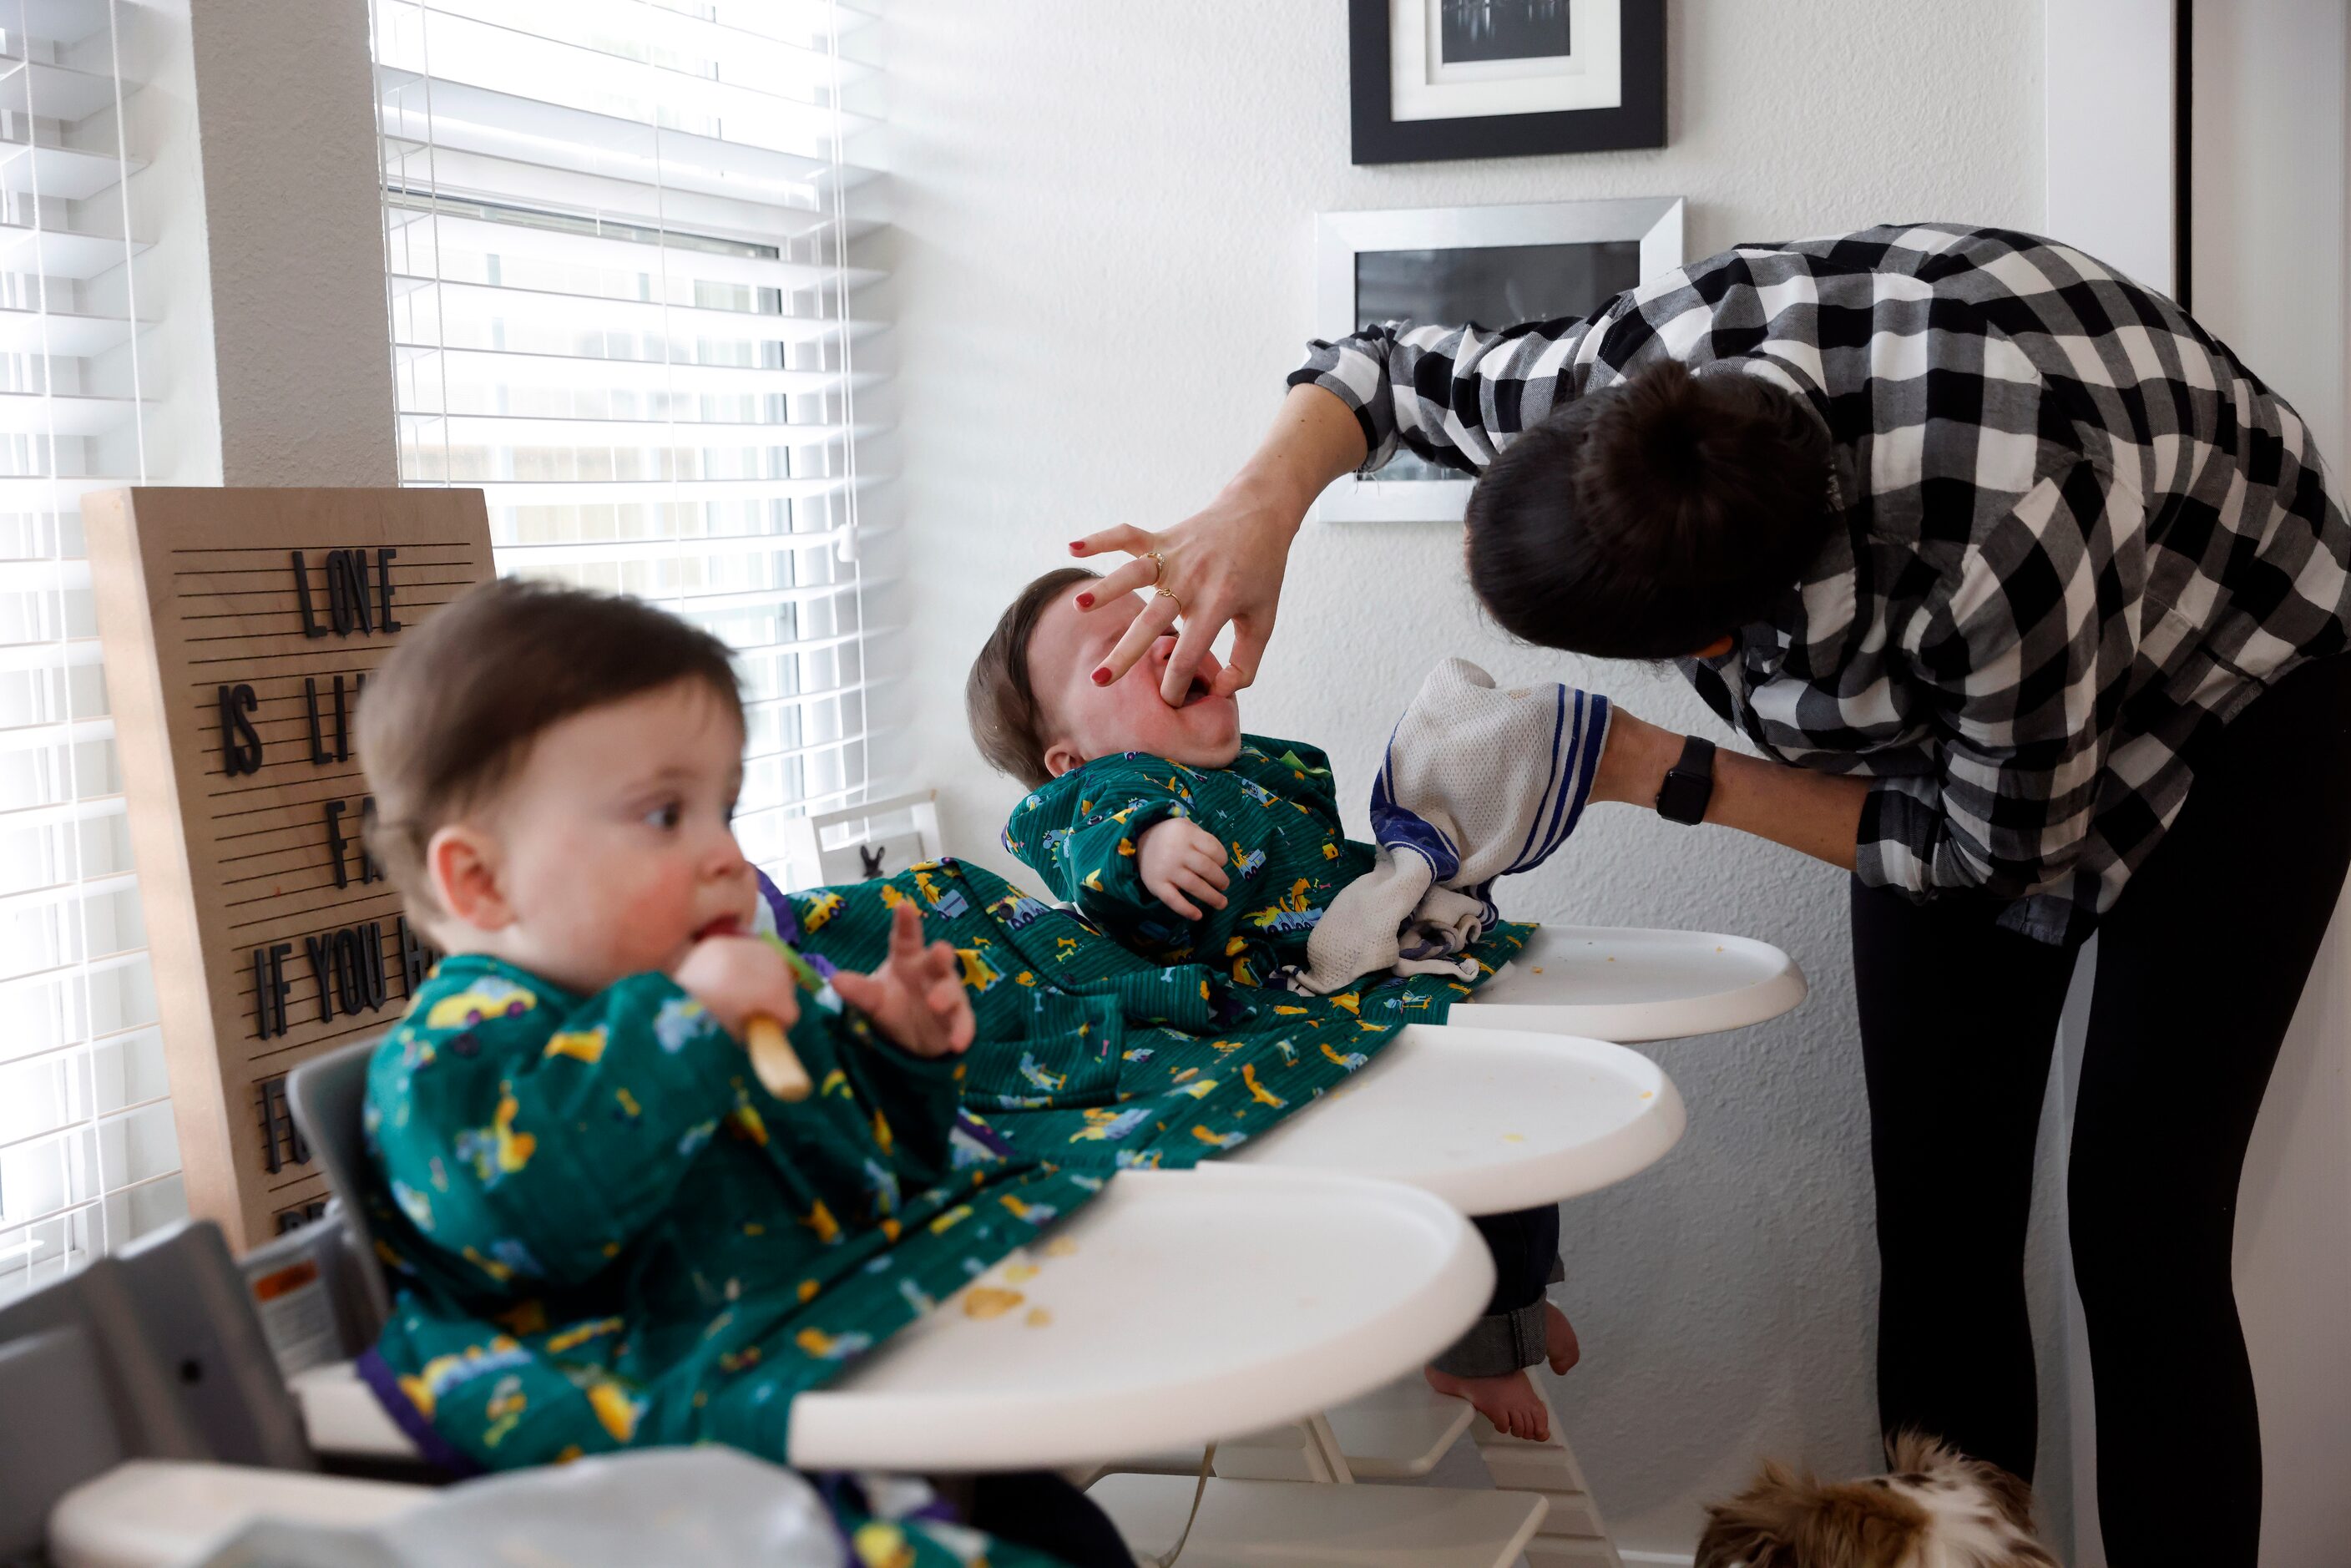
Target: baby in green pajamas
{"points": [[603, 1231], [1184, 840]]}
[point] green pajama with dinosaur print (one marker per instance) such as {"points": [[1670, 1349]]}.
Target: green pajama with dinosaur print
{"points": [[605, 1233]]}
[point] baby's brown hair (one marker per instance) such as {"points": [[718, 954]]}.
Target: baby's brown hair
{"points": [[450, 715], [1006, 719]]}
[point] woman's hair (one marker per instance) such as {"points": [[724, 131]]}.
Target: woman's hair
{"points": [[1006, 723], [450, 715], [1647, 521]]}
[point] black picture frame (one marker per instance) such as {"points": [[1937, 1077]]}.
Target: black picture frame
{"points": [[1639, 121]]}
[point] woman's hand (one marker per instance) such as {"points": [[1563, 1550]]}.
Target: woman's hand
{"points": [[916, 997], [1224, 564]]}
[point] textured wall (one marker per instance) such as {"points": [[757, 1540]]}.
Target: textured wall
{"points": [[290, 176], [1105, 268]]}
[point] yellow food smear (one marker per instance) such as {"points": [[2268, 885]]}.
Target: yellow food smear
{"points": [[988, 1301]]}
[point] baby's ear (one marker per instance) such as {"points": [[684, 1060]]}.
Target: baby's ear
{"points": [[461, 861], [1062, 758]]}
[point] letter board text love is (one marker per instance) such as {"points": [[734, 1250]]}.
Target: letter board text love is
{"points": [[238, 628]]}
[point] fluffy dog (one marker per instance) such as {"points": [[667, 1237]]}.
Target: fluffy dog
{"points": [[1938, 1510]]}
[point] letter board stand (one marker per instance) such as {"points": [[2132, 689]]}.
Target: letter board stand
{"points": [[238, 628]]}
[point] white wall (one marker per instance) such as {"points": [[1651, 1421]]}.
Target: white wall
{"points": [[1105, 269]]}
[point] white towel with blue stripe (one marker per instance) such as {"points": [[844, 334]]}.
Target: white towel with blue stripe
{"points": [[1479, 782]]}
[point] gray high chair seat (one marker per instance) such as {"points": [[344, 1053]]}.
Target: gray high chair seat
{"points": [[327, 1093]]}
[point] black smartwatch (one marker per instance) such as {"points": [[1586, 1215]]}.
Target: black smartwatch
{"points": [[1690, 784]]}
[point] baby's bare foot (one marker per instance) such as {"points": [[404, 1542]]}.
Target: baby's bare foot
{"points": [[1559, 1339], [1509, 1402]]}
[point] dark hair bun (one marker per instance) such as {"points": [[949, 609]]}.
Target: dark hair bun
{"points": [[1648, 519]]}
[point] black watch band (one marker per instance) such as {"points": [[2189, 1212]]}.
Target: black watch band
{"points": [[1690, 784]]}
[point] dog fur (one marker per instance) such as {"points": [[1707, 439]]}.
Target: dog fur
{"points": [[1938, 1510]]}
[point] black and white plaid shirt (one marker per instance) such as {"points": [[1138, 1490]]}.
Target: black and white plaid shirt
{"points": [[2076, 536]]}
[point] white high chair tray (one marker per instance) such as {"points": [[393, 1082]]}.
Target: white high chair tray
{"points": [[1490, 1120], [1177, 1308], [1623, 984]]}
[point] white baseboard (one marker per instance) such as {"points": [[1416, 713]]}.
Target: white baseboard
{"points": [[1659, 1559]]}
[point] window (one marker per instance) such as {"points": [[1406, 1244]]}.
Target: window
{"points": [[87, 1155], [618, 236]]}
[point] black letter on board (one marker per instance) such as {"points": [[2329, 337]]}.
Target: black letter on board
{"points": [[319, 757], [342, 725], [261, 994], [373, 965], [335, 841], [280, 987], [370, 868], [338, 602], [347, 591], [350, 986], [362, 607], [416, 959], [310, 627], [240, 742], [383, 590], [281, 1140], [322, 964]]}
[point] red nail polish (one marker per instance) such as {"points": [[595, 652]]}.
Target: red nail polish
{"points": [[1102, 677], [1085, 601], [1077, 545]]}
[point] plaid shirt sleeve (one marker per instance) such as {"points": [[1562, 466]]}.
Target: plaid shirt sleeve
{"points": [[1452, 396], [2026, 655]]}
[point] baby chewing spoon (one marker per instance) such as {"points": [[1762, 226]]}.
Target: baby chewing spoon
{"points": [[772, 1056]]}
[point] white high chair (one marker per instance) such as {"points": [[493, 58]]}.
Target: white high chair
{"points": [[1273, 1287], [1180, 1306], [1491, 1119], [1262, 1295]]}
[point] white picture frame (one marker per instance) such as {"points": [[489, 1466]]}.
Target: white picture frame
{"points": [[1652, 223]]}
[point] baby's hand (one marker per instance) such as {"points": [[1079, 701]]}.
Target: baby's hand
{"points": [[916, 997], [1179, 857], [739, 978]]}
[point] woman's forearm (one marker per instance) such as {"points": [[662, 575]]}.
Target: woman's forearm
{"points": [[1314, 439], [1814, 813]]}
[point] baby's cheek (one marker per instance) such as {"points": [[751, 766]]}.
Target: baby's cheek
{"points": [[656, 915]]}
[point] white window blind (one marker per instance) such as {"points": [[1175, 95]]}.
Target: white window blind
{"points": [[618, 237], [87, 1155]]}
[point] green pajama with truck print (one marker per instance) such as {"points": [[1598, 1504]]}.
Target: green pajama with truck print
{"points": [[604, 1233], [1276, 810]]}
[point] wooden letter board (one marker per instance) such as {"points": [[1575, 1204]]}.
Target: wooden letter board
{"points": [[272, 934]]}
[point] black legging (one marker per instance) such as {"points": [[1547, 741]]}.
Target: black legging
{"points": [[2200, 966]]}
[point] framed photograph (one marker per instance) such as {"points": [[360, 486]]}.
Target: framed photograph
{"points": [[1502, 79], [1495, 266]]}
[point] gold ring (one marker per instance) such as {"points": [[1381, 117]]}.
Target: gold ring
{"points": [[1158, 566], [1163, 593]]}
